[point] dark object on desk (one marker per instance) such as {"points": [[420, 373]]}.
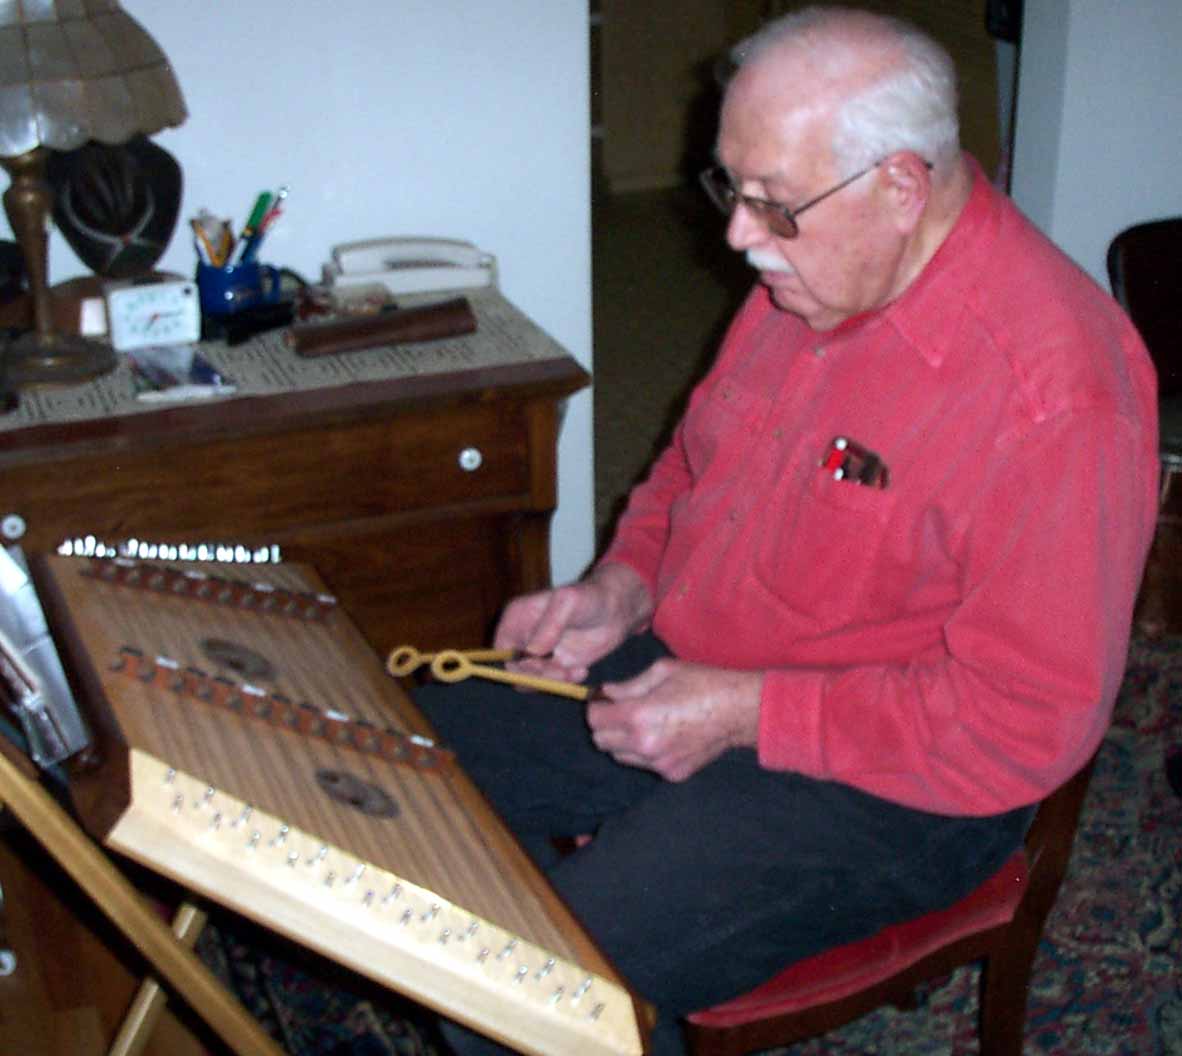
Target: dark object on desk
{"points": [[116, 204], [245, 324], [447, 319]]}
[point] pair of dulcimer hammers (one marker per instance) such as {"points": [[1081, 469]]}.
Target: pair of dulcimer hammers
{"points": [[455, 665]]}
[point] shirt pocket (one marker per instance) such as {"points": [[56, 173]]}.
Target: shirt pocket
{"points": [[822, 543]]}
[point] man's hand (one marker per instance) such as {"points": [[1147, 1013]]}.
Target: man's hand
{"points": [[676, 717], [564, 631]]}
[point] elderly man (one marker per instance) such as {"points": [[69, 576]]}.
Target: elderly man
{"points": [[873, 602]]}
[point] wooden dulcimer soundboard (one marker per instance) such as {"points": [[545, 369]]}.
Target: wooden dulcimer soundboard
{"points": [[257, 752]]}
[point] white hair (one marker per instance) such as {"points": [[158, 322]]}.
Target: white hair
{"points": [[910, 105]]}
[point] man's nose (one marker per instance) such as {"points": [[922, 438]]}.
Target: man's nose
{"points": [[744, 229]]}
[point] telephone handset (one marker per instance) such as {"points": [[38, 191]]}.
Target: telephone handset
{"points": [[410, 265]]}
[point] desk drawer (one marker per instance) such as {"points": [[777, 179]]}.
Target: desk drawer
{"points": [[253, 487]]}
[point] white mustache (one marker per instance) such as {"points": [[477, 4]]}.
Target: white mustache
{"points": [[761, 260]]}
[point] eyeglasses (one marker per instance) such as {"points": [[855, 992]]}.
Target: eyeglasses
{"points": [[781, 220]]}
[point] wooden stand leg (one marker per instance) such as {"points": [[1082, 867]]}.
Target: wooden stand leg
{"points": [[150, 998], [115, 896]]}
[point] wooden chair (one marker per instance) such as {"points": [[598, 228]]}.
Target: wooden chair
{"points": [[1145, 271], [999, 924]]}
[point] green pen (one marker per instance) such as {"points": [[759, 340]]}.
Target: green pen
{"points": [[257, 213]]}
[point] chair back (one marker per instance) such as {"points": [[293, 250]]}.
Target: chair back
{"points": [[1145, 271]]}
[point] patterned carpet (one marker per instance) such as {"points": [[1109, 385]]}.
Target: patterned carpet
{"points": [[1107, 980]]}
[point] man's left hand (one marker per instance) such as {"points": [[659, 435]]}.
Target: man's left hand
{"points": [[676, 717]]}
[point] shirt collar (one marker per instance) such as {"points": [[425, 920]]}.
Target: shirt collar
{"points": [[927, 316]]}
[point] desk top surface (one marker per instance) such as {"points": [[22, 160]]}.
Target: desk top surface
{"points": [[264, 366]]}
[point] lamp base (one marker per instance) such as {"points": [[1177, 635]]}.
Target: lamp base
{"points": [[55, 359]]}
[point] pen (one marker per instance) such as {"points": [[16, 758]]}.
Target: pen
{"points": [[268, 218], [257, 213], [276, 207], [201, 241], [248, 239], [210, 235]]}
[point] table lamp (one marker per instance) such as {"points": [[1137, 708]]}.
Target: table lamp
{"points": [[71, 71]]}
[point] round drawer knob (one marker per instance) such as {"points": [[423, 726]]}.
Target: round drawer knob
{"points": [[12, 526], [471, 459]]}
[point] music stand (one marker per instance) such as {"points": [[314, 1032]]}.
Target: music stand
{"points": [[40, 814]]}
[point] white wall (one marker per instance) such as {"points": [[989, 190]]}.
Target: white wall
{"points": [[1097, 141], [462, 118]]}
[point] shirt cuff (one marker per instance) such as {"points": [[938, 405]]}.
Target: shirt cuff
{"points": [[789, 722]]}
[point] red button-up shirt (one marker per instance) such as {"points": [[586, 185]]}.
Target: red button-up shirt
{"points": [[955, 640]]}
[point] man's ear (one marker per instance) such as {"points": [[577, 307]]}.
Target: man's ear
{"points": [[908, 184]]}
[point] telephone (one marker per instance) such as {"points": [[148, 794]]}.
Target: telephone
{"points": [[410, 265]]}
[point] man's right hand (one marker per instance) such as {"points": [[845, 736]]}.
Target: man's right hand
{"points": [[565, 630]]}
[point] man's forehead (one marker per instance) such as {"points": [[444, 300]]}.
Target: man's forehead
{"points": [[761, 131]]}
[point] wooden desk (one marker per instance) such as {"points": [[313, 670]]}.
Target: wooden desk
{"points": [[423, 499]]}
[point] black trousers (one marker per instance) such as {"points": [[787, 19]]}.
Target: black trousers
{"points": [[700, 890]]}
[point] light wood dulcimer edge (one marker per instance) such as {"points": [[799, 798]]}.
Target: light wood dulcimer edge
{"points": [[395, 932]]}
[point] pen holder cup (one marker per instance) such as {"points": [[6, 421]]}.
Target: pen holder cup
{"points": [[232, 288]]}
